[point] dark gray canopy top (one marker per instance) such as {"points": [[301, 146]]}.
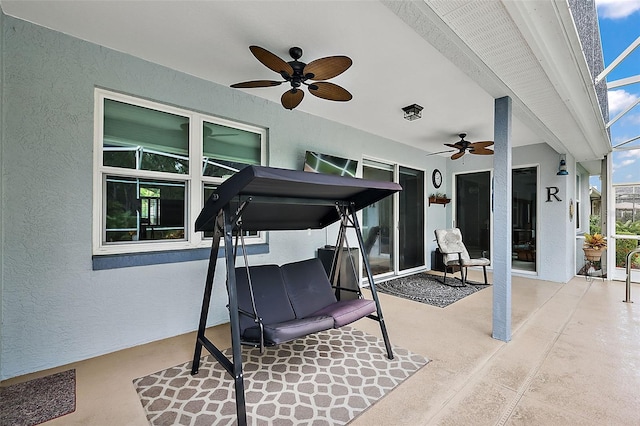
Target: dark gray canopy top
{"points": [[289, 199]]}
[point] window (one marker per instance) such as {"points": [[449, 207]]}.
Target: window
{"points": [[155, 165]]}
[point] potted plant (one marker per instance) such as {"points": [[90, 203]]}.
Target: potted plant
{"points": [[594, 245], [439, 198]]}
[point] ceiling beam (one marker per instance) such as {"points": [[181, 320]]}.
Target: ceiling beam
{"points": [[623, 82], [617, 61]]}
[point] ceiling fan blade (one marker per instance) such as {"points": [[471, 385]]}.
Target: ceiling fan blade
{"points": [[439, 152], [482, 144], [326, 68], [480, 148], [330, 91], [481, 151], [292, 98], [457, 155], [271, 61], [256, 83]]}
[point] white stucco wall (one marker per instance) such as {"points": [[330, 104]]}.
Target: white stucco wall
{"points": [[55, 308]]}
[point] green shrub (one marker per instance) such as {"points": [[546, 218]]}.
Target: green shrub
{"points": [[628, 228], [594, 224], [623, 247]]}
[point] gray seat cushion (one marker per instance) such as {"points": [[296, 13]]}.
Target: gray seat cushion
{"points": [[476, 262], [272, 302], [308, 287], [289, 330], [347, 311]]}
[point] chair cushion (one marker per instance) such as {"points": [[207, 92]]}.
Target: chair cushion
{"points": [[476, 262], [272, 302], [289, 330], [308, 287], [450, 244], [347, 311]]}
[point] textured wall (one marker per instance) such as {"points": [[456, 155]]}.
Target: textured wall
{"points": [[586, 20], [55, 308], [1, 179]]}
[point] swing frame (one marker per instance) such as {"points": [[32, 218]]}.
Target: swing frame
{"points": [[263, 198]]}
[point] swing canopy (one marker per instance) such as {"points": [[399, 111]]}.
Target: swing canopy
{"points": [[283, 199]]}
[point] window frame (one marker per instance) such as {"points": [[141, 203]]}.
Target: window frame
{"points": [[194, 180], [577, 208]]}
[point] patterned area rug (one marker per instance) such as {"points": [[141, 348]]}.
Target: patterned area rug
{"points": [[428, 288], [323, 379], [38, 400]]}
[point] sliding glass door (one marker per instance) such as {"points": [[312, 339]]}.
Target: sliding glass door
{"points": [[411, 219], [394, 230], [377, 222], [473, 212]]}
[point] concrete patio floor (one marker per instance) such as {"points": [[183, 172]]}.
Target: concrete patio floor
{"points": [[574, 358]]}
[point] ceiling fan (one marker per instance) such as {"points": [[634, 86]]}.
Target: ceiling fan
{"points": [[297, 73], [478, 148]]}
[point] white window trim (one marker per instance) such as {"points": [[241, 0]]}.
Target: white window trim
{"points": [[194, 181], [579, 209]]}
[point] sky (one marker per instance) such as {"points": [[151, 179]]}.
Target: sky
{"points": [[619, 22]]}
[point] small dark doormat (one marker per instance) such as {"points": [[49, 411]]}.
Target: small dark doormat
{"points": [[38, 400], [429, 289]]}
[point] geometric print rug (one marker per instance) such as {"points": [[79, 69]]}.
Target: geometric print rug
{"points": [[327, 378]]}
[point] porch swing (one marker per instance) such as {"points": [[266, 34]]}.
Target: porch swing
{"points": [[271, 304]]}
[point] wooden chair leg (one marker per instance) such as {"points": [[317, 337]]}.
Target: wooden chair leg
{"points": [[484, 268]]}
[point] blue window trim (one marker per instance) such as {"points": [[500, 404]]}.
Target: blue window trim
{"points": [[115, 261]]}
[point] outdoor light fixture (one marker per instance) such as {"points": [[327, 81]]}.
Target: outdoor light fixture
{"points": [[412, 112], [562, 168]]}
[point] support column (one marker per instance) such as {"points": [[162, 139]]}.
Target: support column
{"points": [[502, 223], [606, 194]]}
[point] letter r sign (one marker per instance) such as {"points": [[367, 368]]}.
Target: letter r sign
{"points": [[552, 191]]}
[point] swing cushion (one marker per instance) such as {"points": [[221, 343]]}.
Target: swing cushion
{"points": [[289, 330], [311, 294], [308, 287], [273, 306], [293, 300], [270, 295], [345, 312]]}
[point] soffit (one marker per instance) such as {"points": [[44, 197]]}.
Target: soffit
{"points": [[529, 47]]}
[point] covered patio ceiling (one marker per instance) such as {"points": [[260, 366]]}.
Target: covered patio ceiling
{"points": [[451, 57]]}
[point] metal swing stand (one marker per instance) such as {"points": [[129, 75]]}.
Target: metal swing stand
{"points": [[225, 224], [349, 219]]}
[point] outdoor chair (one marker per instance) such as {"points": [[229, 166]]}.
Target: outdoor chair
{"points": [[454, 253]]}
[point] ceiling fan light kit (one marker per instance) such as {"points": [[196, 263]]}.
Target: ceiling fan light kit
{"points": [[297, 73], [412, 112]]}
